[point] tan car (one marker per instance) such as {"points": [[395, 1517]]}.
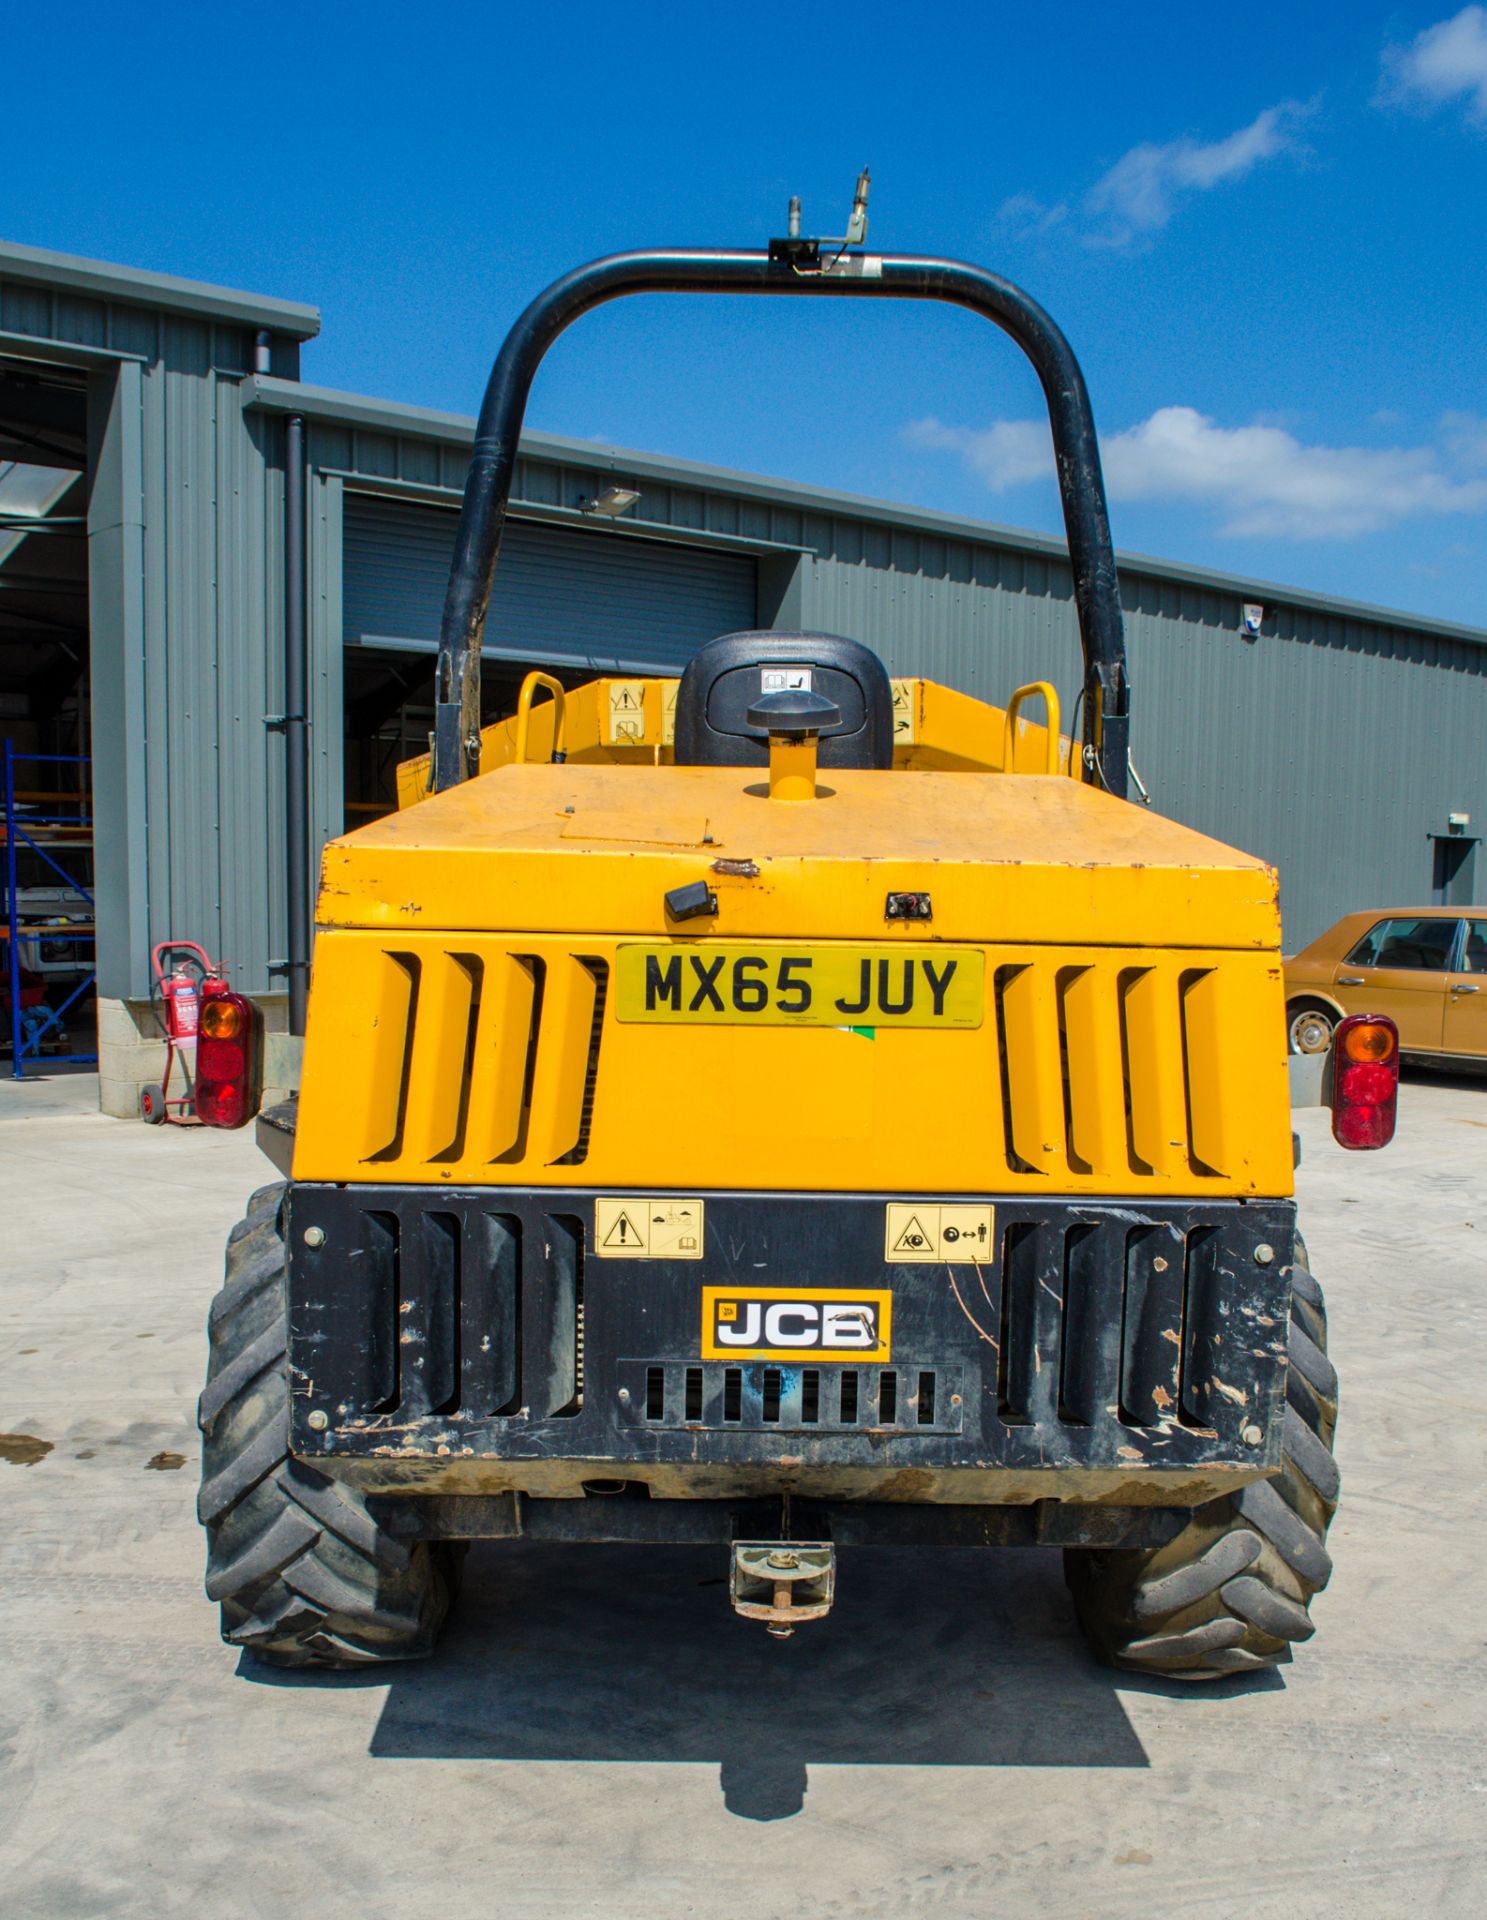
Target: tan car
{"points": [[1426, 967]]}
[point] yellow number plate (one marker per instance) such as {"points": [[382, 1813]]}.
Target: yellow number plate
{"points": [[801, 986]]}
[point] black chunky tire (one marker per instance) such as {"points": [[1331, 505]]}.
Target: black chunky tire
{"points": [[305, 1575], [1232, 1593]]}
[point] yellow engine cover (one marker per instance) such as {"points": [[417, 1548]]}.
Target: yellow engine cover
{"points": [[478, 1017]]}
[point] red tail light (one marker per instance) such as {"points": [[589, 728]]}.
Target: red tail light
{"points": [[225, 1062], [1365, 1080]]}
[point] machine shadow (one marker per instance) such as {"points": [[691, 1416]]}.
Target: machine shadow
{"points": [[616, 1654]]}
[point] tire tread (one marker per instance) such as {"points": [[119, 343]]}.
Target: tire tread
{"points": [[304, 1573], [1231, 1594]]}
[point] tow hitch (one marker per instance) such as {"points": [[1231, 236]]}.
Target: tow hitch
{"points": [[782, 1582]]}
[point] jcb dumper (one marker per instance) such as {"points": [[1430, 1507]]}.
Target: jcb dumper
{"points": [[785, 1110]]}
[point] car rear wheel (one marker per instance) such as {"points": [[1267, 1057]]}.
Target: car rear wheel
{"points": [[1309, 1026]]}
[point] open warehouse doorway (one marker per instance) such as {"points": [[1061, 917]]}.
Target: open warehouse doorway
{"points": [[574, 600], [47, 962]]}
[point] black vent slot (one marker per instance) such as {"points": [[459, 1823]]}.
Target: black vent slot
{"points": [[554, 1312], [1152, 1342], [491, 1317], [579, 1151], [1200, 1403], [1092, 1324], [379, 1304]]}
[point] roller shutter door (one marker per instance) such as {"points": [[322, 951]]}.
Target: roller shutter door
{"points": [[566, 596]]}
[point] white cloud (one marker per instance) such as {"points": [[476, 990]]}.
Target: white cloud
{"points": [[1262, 479], [1024, 217], [1464, 436], [1009, 453], [1445, 63], [1139, 194]]}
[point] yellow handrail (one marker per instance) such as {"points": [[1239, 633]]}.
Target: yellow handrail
{"points": [[1009, 727], [529, 688]]}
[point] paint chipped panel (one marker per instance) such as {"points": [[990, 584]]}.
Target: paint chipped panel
{"points": [[1093, 1353]]}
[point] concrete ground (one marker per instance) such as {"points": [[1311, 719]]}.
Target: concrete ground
{"points": [[599, 1736]]}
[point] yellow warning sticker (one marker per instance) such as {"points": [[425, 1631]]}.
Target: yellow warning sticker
{"points": [[626, 713], [668, 711], [923, 1231], [903, 712], [648, 1229]]}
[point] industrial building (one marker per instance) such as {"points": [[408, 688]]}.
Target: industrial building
{"points": [[147, 425]]}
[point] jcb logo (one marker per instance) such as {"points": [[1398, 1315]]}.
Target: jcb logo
{"points": [[795, 1323]]}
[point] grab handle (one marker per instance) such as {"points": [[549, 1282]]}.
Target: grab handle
{"points": [[1009, 727], [529, 688]]}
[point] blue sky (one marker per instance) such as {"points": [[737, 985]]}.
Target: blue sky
{"points": [[1261, 227]]}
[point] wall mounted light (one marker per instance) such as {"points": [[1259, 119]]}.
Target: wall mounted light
{"points": [[611, 503]]}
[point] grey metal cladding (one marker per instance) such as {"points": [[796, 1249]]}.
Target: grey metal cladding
{"points": [[1331, 746], [69, 282], [574, 596]]}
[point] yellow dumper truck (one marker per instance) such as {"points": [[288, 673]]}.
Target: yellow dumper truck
{"points": [[782, 1109]]}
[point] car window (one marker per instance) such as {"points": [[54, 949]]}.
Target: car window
{"points": [[1422, 945], [1476, 947]]}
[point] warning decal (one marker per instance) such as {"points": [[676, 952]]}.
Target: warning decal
{"points": [[916, 1231], [626, 713], [641, 1229], [903, 712]]}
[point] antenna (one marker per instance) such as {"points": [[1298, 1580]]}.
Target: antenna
{"points": [[857, 225], [804, 253]]}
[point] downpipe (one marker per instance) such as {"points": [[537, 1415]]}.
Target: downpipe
{"points": [[296, 730]]}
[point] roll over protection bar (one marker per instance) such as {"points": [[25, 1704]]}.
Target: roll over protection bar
{"points": [[853, 276]]}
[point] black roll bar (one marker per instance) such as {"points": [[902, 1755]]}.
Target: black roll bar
{"points": [[852, 276]]}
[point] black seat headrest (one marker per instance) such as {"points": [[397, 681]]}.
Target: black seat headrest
{"points": [[727, 676]]}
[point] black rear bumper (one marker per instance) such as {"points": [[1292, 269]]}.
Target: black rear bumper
{"points": [[469, 1344]]}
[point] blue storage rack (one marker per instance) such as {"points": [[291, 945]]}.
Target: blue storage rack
{"points": [[33, 829]]}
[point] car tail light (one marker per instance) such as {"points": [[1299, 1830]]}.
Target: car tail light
{"points": [[225, 1062], [1365, 1080]]}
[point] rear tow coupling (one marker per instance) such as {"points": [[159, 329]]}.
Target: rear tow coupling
{"points": [[782, 1582]]}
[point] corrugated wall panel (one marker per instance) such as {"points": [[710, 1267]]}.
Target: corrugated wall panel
{"points": [[983, 621], [1332, 748], [564, 595]]}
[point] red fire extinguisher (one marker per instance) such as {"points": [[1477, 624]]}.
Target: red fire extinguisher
{"points": [[210, 1032]]}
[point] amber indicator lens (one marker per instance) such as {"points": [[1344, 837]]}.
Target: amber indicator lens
{"points": [[1369, 1040], [221, 1019]]}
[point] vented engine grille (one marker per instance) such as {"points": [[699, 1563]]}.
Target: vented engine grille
{"points": [[441, 1325], [762, 1398]]}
